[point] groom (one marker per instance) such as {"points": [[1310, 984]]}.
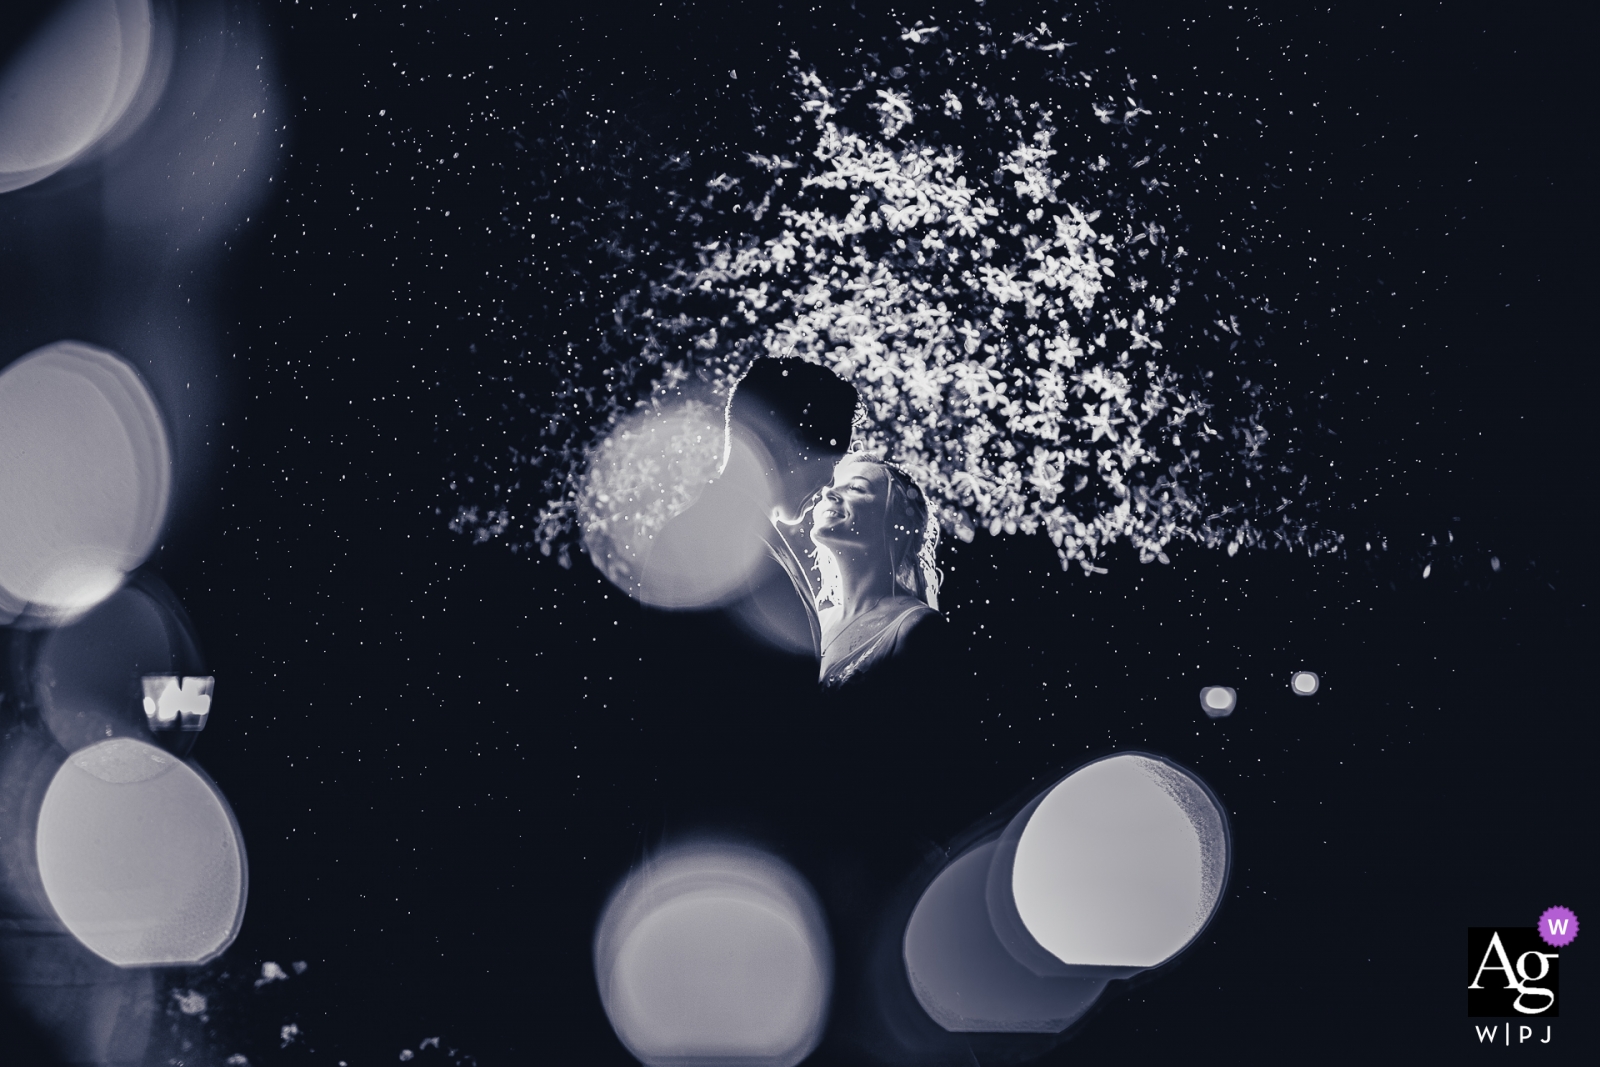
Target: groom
{"points": [[788, 423]]}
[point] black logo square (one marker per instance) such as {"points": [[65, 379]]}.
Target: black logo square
{"points": [[1511, 973]]}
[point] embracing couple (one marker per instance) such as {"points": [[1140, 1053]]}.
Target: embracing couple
{"points": [[816, 549]]}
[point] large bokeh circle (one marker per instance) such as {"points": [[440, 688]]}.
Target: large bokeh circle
{"points": [[140, 856], [85, 478]]}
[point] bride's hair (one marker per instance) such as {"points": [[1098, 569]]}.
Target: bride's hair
{"points": [[911, 533]]}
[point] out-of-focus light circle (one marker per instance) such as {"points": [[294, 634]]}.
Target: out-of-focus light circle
{"points": [[87, 679], [715, 954], [85, 476], [1121, 864], [69, 85], [649, 468], [1218, 700], [140, 857], [1305, 683], [963, 976]]}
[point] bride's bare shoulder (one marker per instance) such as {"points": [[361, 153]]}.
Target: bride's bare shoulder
{"points": [[917, 624]]}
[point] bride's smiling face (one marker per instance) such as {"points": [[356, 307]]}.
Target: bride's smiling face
{"points": [[852, 510]]}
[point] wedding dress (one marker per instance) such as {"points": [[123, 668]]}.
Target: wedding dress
{"points": [[869, 639]]}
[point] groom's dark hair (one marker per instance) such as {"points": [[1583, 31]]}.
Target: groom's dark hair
{"points": [[793, 396]]}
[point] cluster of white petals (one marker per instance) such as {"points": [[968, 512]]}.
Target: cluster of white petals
{"points": [[1003, 373], [1008, 339]]}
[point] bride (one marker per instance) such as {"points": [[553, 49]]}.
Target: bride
{"points": [[876, 551]]}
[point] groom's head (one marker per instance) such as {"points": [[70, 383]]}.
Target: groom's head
{"points": [[801, 413]]}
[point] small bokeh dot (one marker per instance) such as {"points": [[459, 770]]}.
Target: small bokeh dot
{"points": [[1218, 700]]}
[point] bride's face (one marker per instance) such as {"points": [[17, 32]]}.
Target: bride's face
{"points": [[852, 510]]}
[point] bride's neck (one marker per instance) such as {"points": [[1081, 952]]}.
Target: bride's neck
{"points": [[863, 585]]}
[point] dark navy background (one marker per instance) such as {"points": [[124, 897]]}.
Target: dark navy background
{"points": [[443, 755]]}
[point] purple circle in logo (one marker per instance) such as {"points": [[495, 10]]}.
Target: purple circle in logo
{"points": [[1558, 926]]}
